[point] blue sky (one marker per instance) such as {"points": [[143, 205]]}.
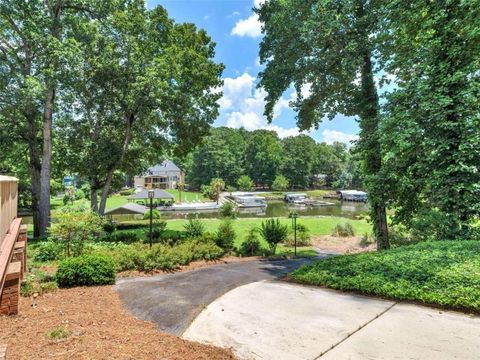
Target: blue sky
{"points": [[236, 31]]}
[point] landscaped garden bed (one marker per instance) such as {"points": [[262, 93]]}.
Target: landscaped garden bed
{"points": [[91, 323], [443, 273]]}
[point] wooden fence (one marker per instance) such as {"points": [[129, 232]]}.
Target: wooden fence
{"points": [[8, 204]]}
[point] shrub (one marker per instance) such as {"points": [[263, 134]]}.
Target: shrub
{"points": [[69, 196], [280, 183], [228, 210], [38, 282], [344, 229], [225, 235], [273, 232], [48, 251], [155, 214], [194, 228], [79, 206], [109, 226], [58, 334], [127, 192], [86, 190], [303, 237], [72, 230], [126, 237], [158, 227], [251, 244], [79, 194], [245, 183], [86, 270]]}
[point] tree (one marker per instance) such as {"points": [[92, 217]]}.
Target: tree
{"points": [[330, 160], [217, 185], [221, 155], [280, 183], [147, 86], [273, 232], [36, 51], [263, 156], [245, 183], [431, 134], [326, 49], [297, 159]]}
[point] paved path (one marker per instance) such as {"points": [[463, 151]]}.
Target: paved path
{"points": [[173, 301], [278, 320]]}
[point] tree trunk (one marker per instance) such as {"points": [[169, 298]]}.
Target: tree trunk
{"points": [[369, 144], [44, 204], [129, 118], [93, 199]]}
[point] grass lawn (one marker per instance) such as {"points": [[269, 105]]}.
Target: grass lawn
{"points": [[445, 273]]}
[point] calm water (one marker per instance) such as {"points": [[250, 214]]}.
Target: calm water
{"points": [[274, 209]]}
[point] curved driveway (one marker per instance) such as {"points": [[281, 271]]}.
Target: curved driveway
{"points": [[173, 301]]}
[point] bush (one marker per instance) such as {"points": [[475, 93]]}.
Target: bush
{"points": [[86, 190], [228, 210], [303, 237], [126, 237], [155, 214], [58, 334], [273, 232], [48, 251], [127, 192], [109, 226], [158, 227], [79, 195], [225, 236], [251, 244], [69, 196], [79, 206], [344, 229], [194, 228], [39, 282], [280, 183], [72, 230], [245, 183], [86, 270]]}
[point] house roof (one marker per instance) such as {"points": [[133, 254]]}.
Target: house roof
{"points": [[130, 208], [159, 194], [165, 166]]}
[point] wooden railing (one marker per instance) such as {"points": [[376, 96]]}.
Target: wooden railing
{"points": [[8, 204]]}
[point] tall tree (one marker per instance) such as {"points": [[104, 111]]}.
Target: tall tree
{"points": [[147, 89], [263, 155], [432, 132], [35, 49], [326, 50], [298, 159]]}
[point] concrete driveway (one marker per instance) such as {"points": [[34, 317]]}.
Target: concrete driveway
{"points": [[173, 301], [278, 320]]}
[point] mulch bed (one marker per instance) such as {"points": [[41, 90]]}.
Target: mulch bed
{"points": [[98, 327]]}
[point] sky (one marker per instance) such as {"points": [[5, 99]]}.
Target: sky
{"points": [[237, 33]]}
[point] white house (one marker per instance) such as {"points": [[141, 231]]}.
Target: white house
{"points": [[164, 176]]}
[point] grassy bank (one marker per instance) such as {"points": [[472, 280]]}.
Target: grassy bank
{"points": [[445, 273]]}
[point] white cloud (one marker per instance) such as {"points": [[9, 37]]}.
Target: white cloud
{"points": [[330, 136], [242, 105], [250, 26]]}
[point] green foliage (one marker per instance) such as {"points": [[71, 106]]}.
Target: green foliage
{"points": [[48, 251], [56, 187], [225, 236], [245, 183], [228, 210], [86, 270], [194, 228], [251, 245], [72, 230], [217, 185], [39, 282], [58, 334], [303, 237], [280, 183], [126, 237], [343, 229], [79, 194], [86, 190], [158, 228], [155, 214], [263, 156], [298, 159], [109, 226], [273, 232], [127, 192], [69, 196], [442, 272]]}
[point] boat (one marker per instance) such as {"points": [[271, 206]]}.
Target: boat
{"points": [[296, 198], [249, 201]]}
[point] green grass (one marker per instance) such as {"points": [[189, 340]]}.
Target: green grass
{"points": [[445, 273]]}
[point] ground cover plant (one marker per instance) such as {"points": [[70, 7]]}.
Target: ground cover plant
{"points": [[444, 273]]}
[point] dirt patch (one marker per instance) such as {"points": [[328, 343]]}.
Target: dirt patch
{"points": [[192, 266], [98, 327], [344, 245]]}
